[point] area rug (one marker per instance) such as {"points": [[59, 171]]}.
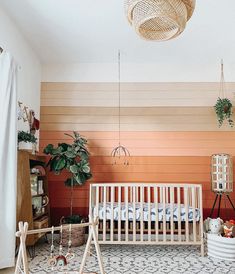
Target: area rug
{"points": [[138, 260]]}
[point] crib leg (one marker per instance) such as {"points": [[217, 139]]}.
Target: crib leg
{"points": [[202, 249]]}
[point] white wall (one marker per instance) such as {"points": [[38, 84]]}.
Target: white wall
{"points": [[138, 72], [29, 74]]}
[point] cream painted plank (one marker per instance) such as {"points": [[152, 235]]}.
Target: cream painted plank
{"points": [[79, 94], [132, 102], [144, 111], [80, 102], [164, 86], [135, 127], [78, 110], [73, 86], [130, 95], [148, 111], [79, 119]]}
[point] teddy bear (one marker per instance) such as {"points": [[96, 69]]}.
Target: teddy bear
{"points": [[213, 226]]}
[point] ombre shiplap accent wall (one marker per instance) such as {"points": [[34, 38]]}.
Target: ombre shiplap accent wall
{"points": [[169, 128]]}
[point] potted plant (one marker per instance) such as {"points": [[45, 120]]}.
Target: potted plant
{"points": [[75, 159], [26, 141], [224, 111]]}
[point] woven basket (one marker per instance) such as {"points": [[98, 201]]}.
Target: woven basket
{"points": [[77, 236], [159, 19]]}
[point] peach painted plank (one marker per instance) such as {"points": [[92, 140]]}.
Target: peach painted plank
{"points": [[213, 135], [141, 143]]}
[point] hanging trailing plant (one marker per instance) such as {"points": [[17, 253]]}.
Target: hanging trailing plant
{"points": [[223, 107], [224, 111]]}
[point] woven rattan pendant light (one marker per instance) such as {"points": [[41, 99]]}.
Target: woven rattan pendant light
{"points": [[159, 20]]}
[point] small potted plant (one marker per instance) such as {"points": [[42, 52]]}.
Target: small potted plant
{"points": [[26, 141], [75, 159], [224, 111]]}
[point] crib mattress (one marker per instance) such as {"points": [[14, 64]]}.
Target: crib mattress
{"points": [[146, 212]]}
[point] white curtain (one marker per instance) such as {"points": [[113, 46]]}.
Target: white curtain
{"points": [[8, 159]]}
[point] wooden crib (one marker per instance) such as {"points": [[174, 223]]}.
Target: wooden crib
{"points": [[134, 213]]}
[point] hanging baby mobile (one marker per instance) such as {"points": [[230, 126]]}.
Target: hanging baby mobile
{"points": [[61, 259], [159, 20]]}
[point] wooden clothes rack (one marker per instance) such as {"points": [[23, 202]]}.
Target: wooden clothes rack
{"points": [[22, 265]]}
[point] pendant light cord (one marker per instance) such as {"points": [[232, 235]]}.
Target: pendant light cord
{"points": [[119, 97], [222, 82], [120, 151]]}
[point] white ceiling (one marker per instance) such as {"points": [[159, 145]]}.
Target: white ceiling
{"points": [[91, 31]]}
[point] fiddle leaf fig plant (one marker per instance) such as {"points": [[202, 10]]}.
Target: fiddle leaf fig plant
{"points": [[71, 157], [224, 110]]}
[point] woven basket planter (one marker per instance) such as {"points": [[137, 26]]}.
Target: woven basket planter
{"points": [[77, 234], [159, 19], [77, 237]]}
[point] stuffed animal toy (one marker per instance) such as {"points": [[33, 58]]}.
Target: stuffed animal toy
{"points": [[213, 226], [229, 229]]}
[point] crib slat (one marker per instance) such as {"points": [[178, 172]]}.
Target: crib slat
{"points": [[97, 204], [134, 213], [179, 214], [167, 194], [172, 212], [201, 220], [186, 204], [164, 212], [156, 211], [119, 212], [137, 194], [131, 195], [112, 216], [149, 214], [141, 213], [194, 215], [127, 215], [161, 199], [104, 219]]}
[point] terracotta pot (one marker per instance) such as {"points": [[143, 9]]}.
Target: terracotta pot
{"points": [[226, 109]]}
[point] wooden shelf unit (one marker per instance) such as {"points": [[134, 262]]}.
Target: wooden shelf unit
{"points": [[26, 161]]}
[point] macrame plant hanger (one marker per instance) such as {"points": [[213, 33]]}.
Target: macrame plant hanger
{"points": [[222, 91]]}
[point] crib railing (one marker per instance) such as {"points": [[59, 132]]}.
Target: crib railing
{"points": [[172, 231]]}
